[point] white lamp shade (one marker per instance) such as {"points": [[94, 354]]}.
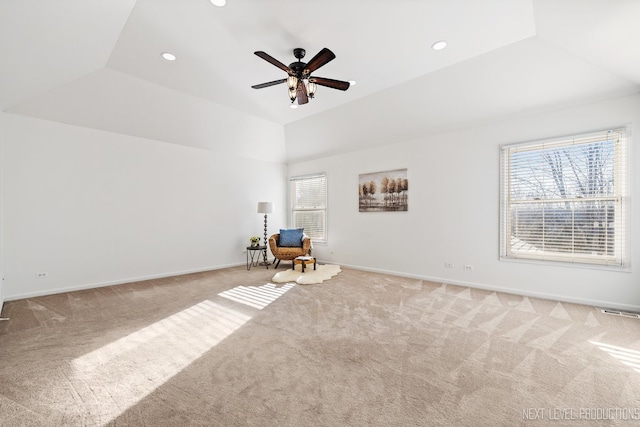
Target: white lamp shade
{"points": [[265, 207]]}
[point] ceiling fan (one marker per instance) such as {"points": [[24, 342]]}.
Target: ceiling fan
{"points": [[302, 85]]}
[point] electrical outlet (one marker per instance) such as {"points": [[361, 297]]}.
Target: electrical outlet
{"points": [[448, 264], [42, 275], [468, 267]]}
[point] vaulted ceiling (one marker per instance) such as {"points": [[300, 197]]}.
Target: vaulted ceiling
{"points": [[98, 64]]}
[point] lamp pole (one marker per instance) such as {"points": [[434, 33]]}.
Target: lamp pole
{"points": [[265, 208]]}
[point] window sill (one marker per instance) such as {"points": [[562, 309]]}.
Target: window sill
{"points": [[549, 263]]}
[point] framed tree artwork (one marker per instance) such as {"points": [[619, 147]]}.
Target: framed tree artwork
{"points": [[384, 191]]}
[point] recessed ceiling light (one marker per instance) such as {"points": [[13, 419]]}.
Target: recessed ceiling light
{"points": [[168, 56], [352, 82], [439, 45], [218, 3]]}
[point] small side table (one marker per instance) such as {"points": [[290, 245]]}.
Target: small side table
{"points": [[304, 260], [252, 259]]}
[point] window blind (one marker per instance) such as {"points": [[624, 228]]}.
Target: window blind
{"points": [[309, 205], [566, 200]]}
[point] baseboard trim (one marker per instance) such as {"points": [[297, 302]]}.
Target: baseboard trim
{"points": [[117, 282], [554, 297]]}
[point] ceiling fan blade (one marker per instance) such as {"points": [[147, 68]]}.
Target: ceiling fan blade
{"points": [[334, 84], [321, 58], [273, 83], [273, 61], [302, 93]]}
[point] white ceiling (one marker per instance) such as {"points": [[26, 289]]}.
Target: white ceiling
{"points": [[98, 64]]}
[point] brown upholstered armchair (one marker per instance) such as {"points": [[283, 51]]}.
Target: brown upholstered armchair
{"points": [[288, 253]]}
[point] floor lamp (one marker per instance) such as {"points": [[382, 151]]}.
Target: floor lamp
{"points": [[265, 208]]}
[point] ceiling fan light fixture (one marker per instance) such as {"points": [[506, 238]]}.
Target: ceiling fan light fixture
{"points": [[293, 93], [292, 82], [311, 89]]}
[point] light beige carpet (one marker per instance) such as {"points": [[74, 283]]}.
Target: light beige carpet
{"points": [[231, 348], [309, 277]]}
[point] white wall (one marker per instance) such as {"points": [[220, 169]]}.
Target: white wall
{"points": [[92, 208], [1, 215], [98, 101], [454, 210]]}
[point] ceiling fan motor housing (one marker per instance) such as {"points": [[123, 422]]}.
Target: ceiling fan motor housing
{"points": [[297, 68]]}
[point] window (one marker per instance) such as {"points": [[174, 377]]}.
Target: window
{"points": [[566, 200], [309, 206]]}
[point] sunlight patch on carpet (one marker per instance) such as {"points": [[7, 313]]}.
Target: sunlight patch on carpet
{"points": [[626, 356], [258, 297], [127, 370]]}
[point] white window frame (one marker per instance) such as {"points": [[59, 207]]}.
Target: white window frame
{"points": [[512, 248], [322, 208]]}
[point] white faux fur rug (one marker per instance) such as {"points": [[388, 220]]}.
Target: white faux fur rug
{"points": [[310, 276]]}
